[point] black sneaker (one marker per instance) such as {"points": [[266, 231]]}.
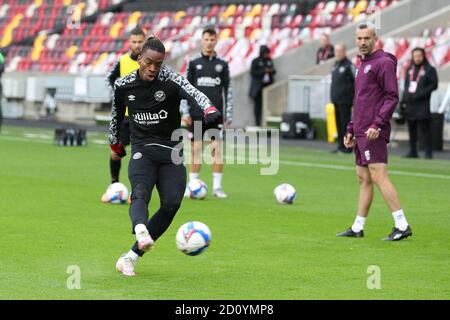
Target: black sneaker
{"points": [[397, 234], [350, 233]]}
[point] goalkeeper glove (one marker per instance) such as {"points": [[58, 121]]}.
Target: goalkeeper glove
{"points": [[118, 149]]}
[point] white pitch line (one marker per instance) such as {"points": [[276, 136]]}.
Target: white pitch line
{"points": [[346, 168], [286, 162]]}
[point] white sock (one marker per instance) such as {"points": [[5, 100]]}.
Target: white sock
{"points": [[140, 228], [359, 223], [193, 175], [400, 220], [217, 180], [132, 255]]}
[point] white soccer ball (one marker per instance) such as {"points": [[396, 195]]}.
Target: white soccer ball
{"points": [[285, 193], [193, 238], [197, 189], [117, 193]]}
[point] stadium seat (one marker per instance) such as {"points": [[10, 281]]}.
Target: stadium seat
{"points": [[85, 48]]}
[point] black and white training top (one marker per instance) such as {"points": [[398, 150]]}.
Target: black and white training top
{"points": [[153, 106], [211, 75]]}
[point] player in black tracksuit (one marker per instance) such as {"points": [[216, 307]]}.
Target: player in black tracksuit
{"points": [[342, 93], [152, 95], [211, 75], [125, 64]]}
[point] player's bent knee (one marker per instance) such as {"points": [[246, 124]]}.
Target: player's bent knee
{"points": [[171, 205], [140, 191]]}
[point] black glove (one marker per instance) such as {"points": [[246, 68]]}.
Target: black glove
{"points": [[212, 116]]}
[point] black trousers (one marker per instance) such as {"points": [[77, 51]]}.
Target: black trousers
{"points": [[152, 166], [424, 126], [257, 108], [343, 116]]}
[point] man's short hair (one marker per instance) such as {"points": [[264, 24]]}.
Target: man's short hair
{"points": [[209, 30], [137, 32], [365, 25]]}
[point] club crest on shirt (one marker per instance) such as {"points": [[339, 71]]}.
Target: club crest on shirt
{"points": [[341, 69], [219, 67], [199, 67], [160, 95], [367, 68], [137, 155]]}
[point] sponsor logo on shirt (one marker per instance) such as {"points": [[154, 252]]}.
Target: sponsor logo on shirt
{"points": [[208, 82], [147, 118], [367, 155]]}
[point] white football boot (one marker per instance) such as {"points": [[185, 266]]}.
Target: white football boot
{"points": [[187, 193], [219, 193], [125, 266]]}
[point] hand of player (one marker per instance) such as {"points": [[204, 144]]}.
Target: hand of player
{"points": [[117, 150], [212, 116], [227, 124], [372, 134], [187, 120], [349, 141]]}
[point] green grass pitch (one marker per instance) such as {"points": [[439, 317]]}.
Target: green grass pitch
{"points": [[52, 218]]}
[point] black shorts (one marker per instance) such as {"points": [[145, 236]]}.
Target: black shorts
{"points": [[213, 132], [125, 131]]}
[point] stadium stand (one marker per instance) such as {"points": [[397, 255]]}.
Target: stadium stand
{"points": [[436, 44], [92, 47]]}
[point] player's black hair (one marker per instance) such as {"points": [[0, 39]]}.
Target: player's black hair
{"points": [[153, 43], [209, 30], [137, 32]]}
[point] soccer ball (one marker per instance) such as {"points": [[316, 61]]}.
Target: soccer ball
{"points": [[197, 189], [193, 237], [285, 193], [117, 193]]}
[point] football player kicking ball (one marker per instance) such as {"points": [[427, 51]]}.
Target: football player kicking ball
{"points": [[376, 97], [152, 95]]}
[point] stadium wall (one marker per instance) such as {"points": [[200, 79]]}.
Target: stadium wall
{"points": [[302, 60]]}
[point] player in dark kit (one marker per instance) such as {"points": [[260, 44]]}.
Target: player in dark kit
{"points": [[126, 64], [376, 97], [152, 95], [211, 75]]}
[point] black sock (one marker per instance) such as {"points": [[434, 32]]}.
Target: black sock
{"points": [[115, 169], [136, 250]]}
